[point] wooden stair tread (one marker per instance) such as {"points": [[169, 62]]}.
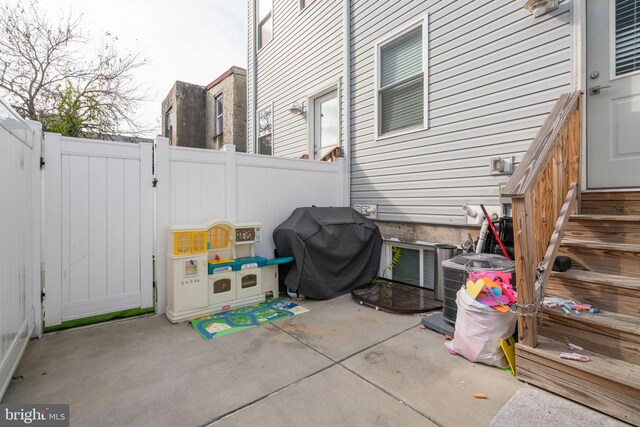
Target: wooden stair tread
{"points": [[606, 384], [604, 228], [610, 195], [625, 247], [626, 282], [605, 217], [603, 366], [608, 319], [616, 203]]}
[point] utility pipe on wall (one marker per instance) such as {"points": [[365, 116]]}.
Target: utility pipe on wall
{"points": [[346, 88]]}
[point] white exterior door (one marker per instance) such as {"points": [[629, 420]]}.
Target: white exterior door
{"points": [[98, 228], [613, 98], [326, 124]]}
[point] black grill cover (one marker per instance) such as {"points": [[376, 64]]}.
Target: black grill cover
{"points": [[335, 250]]}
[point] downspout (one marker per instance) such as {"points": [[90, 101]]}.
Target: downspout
{"points": [[346, 110], [254, 77]]}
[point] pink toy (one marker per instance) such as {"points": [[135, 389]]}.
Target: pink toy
{"points": [[575, 356], [506, 295], [508, 291], [496, 276]]}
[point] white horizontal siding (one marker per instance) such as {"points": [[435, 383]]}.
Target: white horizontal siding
{"points": [[495, 73], [304, 57]]}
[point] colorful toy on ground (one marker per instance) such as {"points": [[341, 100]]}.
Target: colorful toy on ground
{"points": [[569, 306], [213, 267]]}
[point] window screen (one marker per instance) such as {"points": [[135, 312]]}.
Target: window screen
{"points": [[627, 36], [401, 93], [428, 268], [408, 268], [265, 130]]}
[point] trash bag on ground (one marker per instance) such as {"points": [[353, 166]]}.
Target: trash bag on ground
{"points": [[479, 330]]}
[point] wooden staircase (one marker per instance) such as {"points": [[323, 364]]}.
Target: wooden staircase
{"points": [[600, 232], [605, 250]]}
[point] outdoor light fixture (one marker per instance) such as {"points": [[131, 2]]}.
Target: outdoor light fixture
{"points": [[540, 7], [296, 109]]}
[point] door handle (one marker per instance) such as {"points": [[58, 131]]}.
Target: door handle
{"points": [[595, 90]]}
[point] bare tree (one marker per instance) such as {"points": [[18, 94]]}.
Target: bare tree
{"points": [[45, 75]]}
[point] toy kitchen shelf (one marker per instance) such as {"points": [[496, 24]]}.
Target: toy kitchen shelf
{"points": [[213, 267]]}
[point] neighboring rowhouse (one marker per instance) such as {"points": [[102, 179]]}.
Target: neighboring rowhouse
{"points": [[207, 117], [183, 115], [226, 121], [438, 89]]}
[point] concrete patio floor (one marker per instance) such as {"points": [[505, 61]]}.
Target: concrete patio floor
{"points": [[339, 364]]}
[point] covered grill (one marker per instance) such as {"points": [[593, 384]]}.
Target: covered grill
{"points": [[335, 250]]}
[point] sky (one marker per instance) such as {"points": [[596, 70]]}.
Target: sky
{"points": [[189, 40]]}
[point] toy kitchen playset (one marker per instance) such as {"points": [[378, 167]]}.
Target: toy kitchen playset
{"points": [[212, 267]]}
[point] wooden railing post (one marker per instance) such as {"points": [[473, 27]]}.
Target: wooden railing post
{"points": [[548, 172], [525, 269]]}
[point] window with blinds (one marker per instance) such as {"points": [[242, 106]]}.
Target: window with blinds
{"points": [[401, 93], [627, 36], [327, 119]]}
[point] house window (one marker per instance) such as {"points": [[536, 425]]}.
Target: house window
{"points": [[168, 124], [305, 3], [627, 36], [415, 266], [401, 90], [265, 131], [218, 103], [265, 23]]}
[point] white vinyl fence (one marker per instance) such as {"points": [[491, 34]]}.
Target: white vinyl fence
{"points": [[20, 144], [98, 227], [197, 185], [104, 220]]}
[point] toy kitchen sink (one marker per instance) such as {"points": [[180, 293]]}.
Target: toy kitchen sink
{"points": [[213, 267]]}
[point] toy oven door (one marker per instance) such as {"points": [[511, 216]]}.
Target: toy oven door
{"points": [[249, 282], [222, 287]]}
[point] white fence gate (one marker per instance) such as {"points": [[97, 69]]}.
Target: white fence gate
{"points": [[98, 227], [20, 144]]}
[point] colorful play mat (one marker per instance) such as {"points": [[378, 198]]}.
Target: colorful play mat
{"points": [[228, 322]]}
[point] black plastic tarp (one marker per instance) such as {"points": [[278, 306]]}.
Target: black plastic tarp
{"points": [[335, 250]]}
